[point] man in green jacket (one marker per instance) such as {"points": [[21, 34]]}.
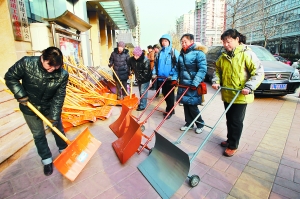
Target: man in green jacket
{"points": [[44, 84], [237, 68]]}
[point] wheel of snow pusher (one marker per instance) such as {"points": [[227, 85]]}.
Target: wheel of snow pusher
{"points": [[194, 180], [143, 128]]}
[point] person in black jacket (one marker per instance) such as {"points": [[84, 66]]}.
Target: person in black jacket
{"points": [[140, 65], [118, 60], [44, 84]]}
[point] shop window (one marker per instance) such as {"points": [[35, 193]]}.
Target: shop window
{"points": [[36, 10]]}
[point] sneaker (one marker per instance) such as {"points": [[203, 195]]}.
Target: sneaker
{"points": [[184, 128], [48, 169], [229, 152], [224, 144], [140, 109], [199, 130]]}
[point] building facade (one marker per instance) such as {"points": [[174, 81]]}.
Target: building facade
{"points": [[27, 27], [209, 21], [282, 19], [185, 23]]}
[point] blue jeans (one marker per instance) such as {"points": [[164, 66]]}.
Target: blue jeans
{"points": [[36, 126], [142, 88]]}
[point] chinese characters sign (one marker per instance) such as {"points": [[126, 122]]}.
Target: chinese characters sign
{"points": [[19, 20]]}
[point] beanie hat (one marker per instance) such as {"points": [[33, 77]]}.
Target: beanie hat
{"points": [[137, 51], [150, 47], [121, 44]]}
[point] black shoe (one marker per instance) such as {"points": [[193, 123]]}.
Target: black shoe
{"points": [[48, 169], [140, 109]]}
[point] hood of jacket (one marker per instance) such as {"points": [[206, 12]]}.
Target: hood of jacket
{"points": [[168, 37]]}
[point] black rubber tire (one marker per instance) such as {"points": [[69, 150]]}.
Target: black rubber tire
{"points": [[194, 180]]}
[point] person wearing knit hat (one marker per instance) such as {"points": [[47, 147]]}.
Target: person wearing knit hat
{"points": [[118, 60], [139, 64]]}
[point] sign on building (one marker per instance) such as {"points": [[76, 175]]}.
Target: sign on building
{"points": [[19, 20]]}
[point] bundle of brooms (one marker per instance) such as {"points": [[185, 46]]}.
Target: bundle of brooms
{"points": [[87, 99]]}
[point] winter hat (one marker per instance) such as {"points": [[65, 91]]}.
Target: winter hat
{"points": [[156, 46], [150, 47], [121, 44], [137, 51]]}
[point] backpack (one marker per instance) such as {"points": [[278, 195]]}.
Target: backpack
{"points": [[174, 61]]}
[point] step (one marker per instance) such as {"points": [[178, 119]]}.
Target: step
{"points": [[10, 126], [10, 115], [14, 141]]}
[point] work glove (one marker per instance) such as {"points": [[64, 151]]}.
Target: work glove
{"points": [[154, 76], [193, 88], [23, 100], [174, 83], [54, 122], [130, 77]]}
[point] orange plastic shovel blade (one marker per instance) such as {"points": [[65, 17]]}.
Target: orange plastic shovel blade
{"points": [[129, 143], [74, 158]]}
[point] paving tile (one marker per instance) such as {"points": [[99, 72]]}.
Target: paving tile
{"points": [[286, 172], [6, 189], [28, 193], [217, 183], [288, 184], [253, 185], [260, 174], [66, 193], [291, 151], [207, 158], [216, 194], [285, 192], [262, 167], [8, 174], [267, 163], [297, 176], [80, 196], [224, 176], [199, 169], [112, 192], [200, 191], [235, 169], [290, 163], [20, 182], [222, 164], [267, 156], [239, 193], [44, 189], [276, 196]]}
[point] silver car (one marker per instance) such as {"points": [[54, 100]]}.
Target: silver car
{"points": [[280, 79]]}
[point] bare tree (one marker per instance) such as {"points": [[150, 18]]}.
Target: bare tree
{"points": [[234, 9], [267, 22], [175, 40]]}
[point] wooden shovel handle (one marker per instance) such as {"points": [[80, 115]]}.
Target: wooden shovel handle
{"points": [[48, 123], [112, 68]]}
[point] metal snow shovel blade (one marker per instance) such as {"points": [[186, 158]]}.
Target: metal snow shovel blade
{"points": [[78, 152], [166, 168], [129, 143], [119, 127]]}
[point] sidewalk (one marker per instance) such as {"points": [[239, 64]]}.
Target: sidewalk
{"points": [[267, 164]]}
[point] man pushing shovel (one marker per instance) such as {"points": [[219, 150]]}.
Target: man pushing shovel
{"points": [[43, 84]]}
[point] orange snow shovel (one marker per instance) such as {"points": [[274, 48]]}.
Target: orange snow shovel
{"points": [[74, 158]]}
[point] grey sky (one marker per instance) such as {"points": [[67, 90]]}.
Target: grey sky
{"points": [[158, 17]]}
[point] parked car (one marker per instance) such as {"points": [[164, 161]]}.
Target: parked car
{"points": [[283, 60], [280, 79]]}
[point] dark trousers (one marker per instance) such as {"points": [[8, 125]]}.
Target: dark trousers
{"points": [[190, 113], [120, 90], [36, 127], [235, 118], [171, 97]]}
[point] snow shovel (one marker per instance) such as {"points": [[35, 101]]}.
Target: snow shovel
{"points": [[74, 158], [119, 126], [166, 168], [128, 144]]}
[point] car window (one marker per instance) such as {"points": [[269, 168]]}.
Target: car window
{"points": [[214, 52], [262, 53]]}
